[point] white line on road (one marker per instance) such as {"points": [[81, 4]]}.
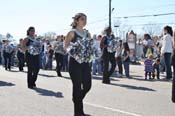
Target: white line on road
{"points": [[112, 109]]}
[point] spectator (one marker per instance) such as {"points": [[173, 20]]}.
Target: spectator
{"points": [[166, 50], [126, 59], [148, 66], [118, 56], [96, 63], [156, 68], [49, 58]]}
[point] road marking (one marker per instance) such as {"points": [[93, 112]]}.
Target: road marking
{"points": [[112, 109]]}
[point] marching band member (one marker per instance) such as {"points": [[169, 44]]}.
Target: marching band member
{"points": [[32, 47], [173, 61], [107, 56], [80, 73]]}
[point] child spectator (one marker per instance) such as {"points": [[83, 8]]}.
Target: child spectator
{"points": [[156, 66], [148, 66]]}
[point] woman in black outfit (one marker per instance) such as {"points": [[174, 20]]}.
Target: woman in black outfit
{"points": [[173, 62], [32, 57], [80, 73], [107, 56]]}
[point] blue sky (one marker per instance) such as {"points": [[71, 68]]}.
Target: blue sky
{"points": [[56, 15]]}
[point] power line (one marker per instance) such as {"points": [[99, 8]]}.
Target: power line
{"points": [[138, 16], [150, 24], [100, 20], [150, 15], [154, 7]]}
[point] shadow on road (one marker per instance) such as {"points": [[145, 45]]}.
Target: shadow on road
{"points": [[44, 92], [43, 75], [141, 78], [2, 83], [100, 78], [133, 87], [93, 77], [13, 71]]}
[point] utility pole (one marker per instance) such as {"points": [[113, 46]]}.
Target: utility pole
{"points": [[110, 13]]}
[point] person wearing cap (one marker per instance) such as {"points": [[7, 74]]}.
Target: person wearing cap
{"points": [[20, 55], [8, 50]]}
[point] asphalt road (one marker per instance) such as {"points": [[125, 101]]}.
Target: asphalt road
{"points": [[123, 97]]}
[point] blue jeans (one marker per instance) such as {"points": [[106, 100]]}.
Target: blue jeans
{"points": [[167, 57], [144, 51], [126, 67], [12, 60], [162, 64], [96, 66], [43, 61], [40, 60], [49, 64], [65, 63]]}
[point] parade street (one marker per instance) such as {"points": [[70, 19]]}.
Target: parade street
{"points": [[53, 96]]}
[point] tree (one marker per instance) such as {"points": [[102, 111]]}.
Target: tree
{"points": [[121, 29], [50, 35], [152, 29]]}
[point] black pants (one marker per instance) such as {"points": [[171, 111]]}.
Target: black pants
{"points": [[173, 90], [33, 69], [21, 60], [7, 60], [119, 63], [173, 85], [173, 62], [81, 79], [0, 58], [147, 73], [158, 73], [59, 61], [110, 57]]}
